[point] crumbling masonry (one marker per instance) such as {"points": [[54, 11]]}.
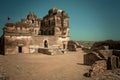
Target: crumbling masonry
{"points": [[33, 34]]}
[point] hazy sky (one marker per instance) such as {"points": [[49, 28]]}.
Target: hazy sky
{"points": [[89, 20]]}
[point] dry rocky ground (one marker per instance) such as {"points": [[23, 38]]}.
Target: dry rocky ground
{"points": [[68, 66]]}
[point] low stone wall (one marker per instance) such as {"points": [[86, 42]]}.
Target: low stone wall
{"points": [[56, 51], [98, 68], [44, 51], [51, 51]]}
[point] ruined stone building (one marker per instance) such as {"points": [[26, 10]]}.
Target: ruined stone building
{"points": [[33, 33]]}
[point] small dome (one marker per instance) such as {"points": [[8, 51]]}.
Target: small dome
{"points": [[31, 16], [53, 10]]}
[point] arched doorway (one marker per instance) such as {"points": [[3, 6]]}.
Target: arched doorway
{"points": [[45, 44]]}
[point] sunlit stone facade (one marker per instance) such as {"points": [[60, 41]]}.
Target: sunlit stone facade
{"points": [[32, 33]]}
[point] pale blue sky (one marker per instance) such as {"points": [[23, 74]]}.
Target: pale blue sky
{"points": [[89, 20]]}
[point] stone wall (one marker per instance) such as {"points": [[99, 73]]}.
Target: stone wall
{"points": [[13, 43], [39, 40], [51, 40], [30, 44], [91, 58]]}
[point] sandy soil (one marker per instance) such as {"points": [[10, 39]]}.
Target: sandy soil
{"points": [[68, 66]]}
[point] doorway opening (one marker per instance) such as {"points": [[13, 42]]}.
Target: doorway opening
{"points": [[45, 44], [20, 49]]}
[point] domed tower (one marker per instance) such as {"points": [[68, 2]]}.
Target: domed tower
{"points": [[62, 28], [31, 16], [52, 11], [34, 22]]}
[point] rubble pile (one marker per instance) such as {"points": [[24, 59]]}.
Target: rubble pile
{"points": [[108, 54], [98, 68], [110, 75]]}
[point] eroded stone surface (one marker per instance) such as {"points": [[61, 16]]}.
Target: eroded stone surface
{"points": [[32, 33]]}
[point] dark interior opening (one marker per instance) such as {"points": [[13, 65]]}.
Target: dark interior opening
{"points": [[45, 44], [20, 49]]}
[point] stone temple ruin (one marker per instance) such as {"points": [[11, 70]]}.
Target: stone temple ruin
{"points": [[103, 56], [49, 34]]}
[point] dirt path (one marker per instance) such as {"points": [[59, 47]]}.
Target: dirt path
{"points": [[45, 67]]}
